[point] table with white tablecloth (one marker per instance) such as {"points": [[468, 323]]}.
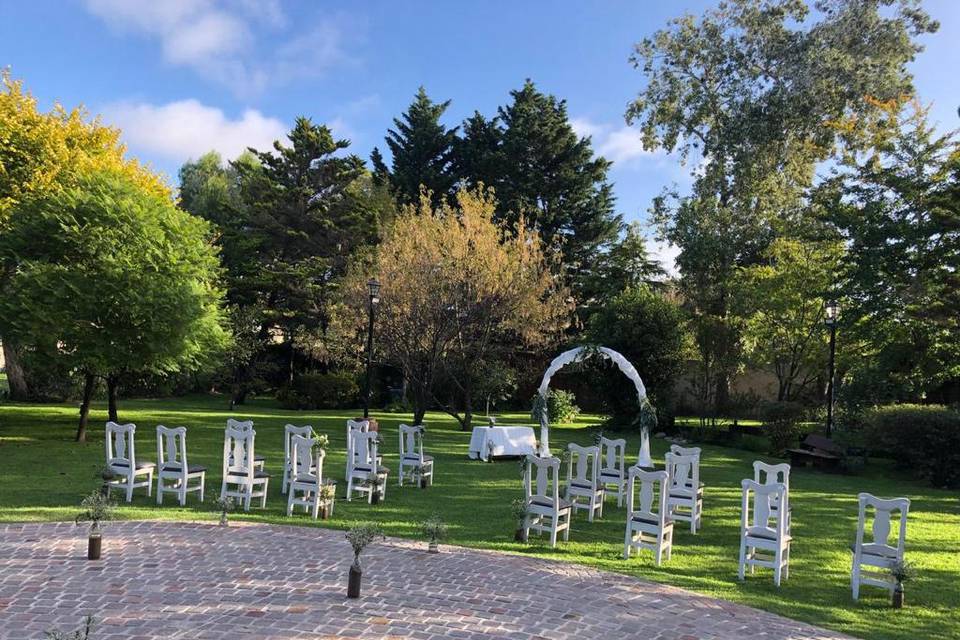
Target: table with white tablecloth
{"points": [[492, 442]]}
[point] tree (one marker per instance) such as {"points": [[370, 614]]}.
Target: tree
{"points": [[42, 153], [459, 293], [649, 329], [549, 177], [897, 207], [781, 301], [625, 265], [751, 90], [114, 280], [422, 149], [298, 214]]}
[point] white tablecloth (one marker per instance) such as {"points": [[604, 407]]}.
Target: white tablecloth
{"points": [[486, 442]]}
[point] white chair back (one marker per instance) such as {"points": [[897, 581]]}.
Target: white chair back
{"points": [[238, 463], [760, 519], [365, 449], [352, 427], [883, 513], [121, 452], [684, 471], [613, 456], [685, 451], [541, 482], [411, 442], [306, 464], [651, 504], [172, 449], [764, 473], [583, 467]]}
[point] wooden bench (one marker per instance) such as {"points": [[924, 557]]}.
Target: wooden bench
{"points": [[816, 451]]}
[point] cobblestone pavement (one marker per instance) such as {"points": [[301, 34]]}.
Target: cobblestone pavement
{"points": [[248, 581]]}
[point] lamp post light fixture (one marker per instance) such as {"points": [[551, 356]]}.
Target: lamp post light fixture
{"points": [[831, 314], [373, 288]]}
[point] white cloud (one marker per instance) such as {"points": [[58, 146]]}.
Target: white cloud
{"points": [[187, 129], [620, 144], [222, 39]]}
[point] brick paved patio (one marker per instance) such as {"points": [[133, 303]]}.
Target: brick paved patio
{"points": [[199, 581]]}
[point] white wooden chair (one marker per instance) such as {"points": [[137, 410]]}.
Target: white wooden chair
{"points": [[365, 472], [648, 525], [172, 465], [353, 425], [246, 425], [764, 473], [763, 529], [306, 477], [289, 431], [122, 460], [412, 457], [873, 560], [613, 467], [686, 451], [685, 497], [240, 469], [545, 510], [583, 480]]}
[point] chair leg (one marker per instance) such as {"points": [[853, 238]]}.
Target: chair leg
{"points": [[855, 580], [150, 484], [743, 559], [203, 485], [290, 502], [263, 498], [129, 489], [627, 539], [349, 487], [553, 530], [777, 566], [159, 489]]}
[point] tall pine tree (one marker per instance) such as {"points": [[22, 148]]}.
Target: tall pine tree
{"points": [[422, 150]]}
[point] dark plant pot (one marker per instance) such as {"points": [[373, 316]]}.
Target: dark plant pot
{"points": [[324, 513], [375, 498], [518, 536], [353, 585], [898, 597], [433, 548], [423, 483], [94, 547]]}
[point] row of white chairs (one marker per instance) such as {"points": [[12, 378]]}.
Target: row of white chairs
{"points": [[656, 499]]}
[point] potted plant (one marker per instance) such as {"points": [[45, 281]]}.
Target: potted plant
{"points": [[518, 508], [435, 530], [375, 481], [359, 537], [97, 509], [327, 491], [901, 571], [225, 504]]}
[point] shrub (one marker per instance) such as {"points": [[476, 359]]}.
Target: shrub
{"points": [[924, 438], [319, 391], [561, 406], [781, 425]]}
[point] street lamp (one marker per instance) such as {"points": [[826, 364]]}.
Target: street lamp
{"points": [[373, 288], [831, 313]]}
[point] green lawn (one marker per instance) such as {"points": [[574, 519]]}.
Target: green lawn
{"points": [[45, 475]]}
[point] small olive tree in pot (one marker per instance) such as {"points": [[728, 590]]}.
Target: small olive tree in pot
{"points": [[435, 530], [360, 536], [97, 509], [902, 571], [518, 509]]}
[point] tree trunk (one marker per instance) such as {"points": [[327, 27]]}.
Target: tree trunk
{"points": [[112, 383], [88, 385], [16, 378], [418, 413]]}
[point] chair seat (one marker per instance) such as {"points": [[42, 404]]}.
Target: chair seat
{"points": [[176, 466], [668, 522], [412, 458], [140, 465], [611, 477], [763, 533], [564, 504], [580, 484]]}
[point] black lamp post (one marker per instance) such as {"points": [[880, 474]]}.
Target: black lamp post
{"points": [[373, 287], [831, 313]]}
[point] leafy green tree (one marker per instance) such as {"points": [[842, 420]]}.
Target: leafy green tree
{"points": [[750, 92], [649, 329], [422, 150], [898, 209], [781, 300], [42, 153], [114, 280]]}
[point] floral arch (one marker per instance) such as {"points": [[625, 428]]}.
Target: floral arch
{"points": [[580, 354]]}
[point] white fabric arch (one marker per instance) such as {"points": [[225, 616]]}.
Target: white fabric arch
{"points": [[578, 354]]}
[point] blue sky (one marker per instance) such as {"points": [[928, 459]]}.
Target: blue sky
{"points": [[184, 76]]}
